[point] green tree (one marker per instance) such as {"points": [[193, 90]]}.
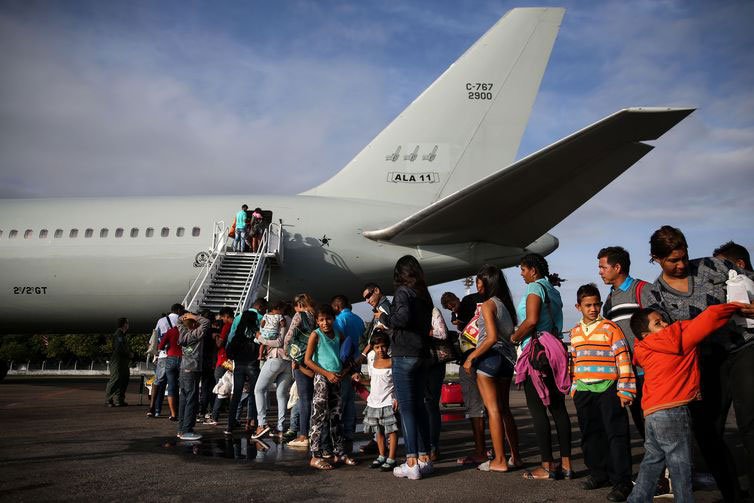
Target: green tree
{"points": [[84, 346], [56, 347]]}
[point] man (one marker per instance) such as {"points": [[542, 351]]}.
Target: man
{"points": [[164, 324], [192, 330], [735, 253], [239, 243], [461, 313], [352, 328], [373, 296], [627, 296], [115, 393]]}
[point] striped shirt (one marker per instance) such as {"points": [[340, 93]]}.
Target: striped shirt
{"points": [[601, 354]]}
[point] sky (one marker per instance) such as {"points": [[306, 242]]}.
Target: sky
{"points": [[160, 98]]}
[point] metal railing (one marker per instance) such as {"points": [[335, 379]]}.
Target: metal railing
{"points": [[217, 248], [254, 277]]}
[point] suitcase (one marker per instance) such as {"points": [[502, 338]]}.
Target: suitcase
{"points": [[451, 394]]}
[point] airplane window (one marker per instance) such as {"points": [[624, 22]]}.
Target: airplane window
{"points": [[43, 234], [150, 232], [28, 234], [180, 231], [165, 232], [12, 234], [1, 233], [103, 233], [74, 233], [119, 232], [134, 232], [196, 231], [58, 233], [88, 233]]}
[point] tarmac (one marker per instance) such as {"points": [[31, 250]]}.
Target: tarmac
{"points": [[60, 443]]}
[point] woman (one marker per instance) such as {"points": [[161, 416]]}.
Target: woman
{"points": [[295, 342], [494, 359], [410, 320], [542, 311]]}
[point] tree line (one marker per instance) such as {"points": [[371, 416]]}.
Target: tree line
{"points": [[66, 347]]}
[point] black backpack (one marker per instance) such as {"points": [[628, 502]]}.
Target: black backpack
{"points": [[243, 346]]}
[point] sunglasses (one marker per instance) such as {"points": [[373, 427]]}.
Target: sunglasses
{"points": [[368, 295]]}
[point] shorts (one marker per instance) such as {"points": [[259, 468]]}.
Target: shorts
{"points": [[380, 419], [494, 364], [160, 369], [471, 397]]}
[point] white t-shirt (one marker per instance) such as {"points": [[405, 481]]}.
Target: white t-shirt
{"points": [[381, 387]]}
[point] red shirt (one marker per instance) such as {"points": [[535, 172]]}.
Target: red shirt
{"points": [[670, 361], [170, 339], [222, 355]]}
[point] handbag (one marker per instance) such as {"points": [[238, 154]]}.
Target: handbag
{"points": [[471, 331], [537, 355], [444, 350], [299, 340]]}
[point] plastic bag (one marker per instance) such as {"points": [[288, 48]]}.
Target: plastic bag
{"points": [[740, 288]]}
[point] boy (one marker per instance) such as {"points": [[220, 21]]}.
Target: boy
{"points": [[671, 381], [603, 384]]}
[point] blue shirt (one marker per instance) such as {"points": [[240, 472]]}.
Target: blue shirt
{"points": [[240, 220], [550, 315], [237, 320], [351, 326], [626, 284]]}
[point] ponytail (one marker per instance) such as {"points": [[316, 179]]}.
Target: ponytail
{"points": [[539, 264]]}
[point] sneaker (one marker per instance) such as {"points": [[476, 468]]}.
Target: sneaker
{"points": [[619, 492], [261, 431], [190, 436], [303, 444], [289, 435], [407, 472], [210, 422], [228, 431], [426, 468], [208, 415]]}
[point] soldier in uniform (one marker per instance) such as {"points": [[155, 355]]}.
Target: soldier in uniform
{"points": [[115, 393]]}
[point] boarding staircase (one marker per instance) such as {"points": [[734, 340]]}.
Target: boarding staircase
{"points": [[234, 279]]}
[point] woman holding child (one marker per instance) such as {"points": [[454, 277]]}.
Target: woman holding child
{"points": [[494, 359], [542, 311]]}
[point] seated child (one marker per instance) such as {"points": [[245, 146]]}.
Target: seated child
{"points": [[603, 383], [671, 381], [323, 358], [379, 416]]}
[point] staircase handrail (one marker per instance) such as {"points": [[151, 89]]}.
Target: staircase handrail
{"points": [[275, 244], [254, 276], [217, 248]]}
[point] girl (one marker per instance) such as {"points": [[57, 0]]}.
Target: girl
{"points": [[379, 416], [493, 359], [302, 324], [271, 328], [322, 357]]}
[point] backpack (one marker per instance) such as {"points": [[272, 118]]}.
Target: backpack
{"points": [[244, 345]]}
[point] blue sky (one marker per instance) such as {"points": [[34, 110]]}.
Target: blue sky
{"points": [[151, 98]]}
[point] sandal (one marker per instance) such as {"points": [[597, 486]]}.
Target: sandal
{"points": [[377, 463], [469, 460], [528, 475], [486, 467], [320, 464], [345, 459], [388, 465]]}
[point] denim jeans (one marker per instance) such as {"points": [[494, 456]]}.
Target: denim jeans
{"points": [[668, 442], [295, 417], [410, 380], [278, 371], [207, 383], [435, 376], [172, 370], [242, 372], [158, 386], [239, 243], [189, 401], [305, 388]]}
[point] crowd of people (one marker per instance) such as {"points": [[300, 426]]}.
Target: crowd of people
{"points": [[666, 351]]}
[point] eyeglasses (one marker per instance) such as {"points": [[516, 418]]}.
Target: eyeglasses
{"points": [[368, 295]]}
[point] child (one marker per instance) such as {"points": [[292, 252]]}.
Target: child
{"points": [[379, 416], [603, 383], [322, 357], [671, 381], [273, 324]]}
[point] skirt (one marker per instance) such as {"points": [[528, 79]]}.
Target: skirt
{"points": [[380, 419]]}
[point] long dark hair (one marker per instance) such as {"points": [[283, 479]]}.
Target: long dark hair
{"points": [[495, 286], [408, 272], [539, 264]]}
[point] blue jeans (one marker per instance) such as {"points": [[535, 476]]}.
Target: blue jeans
{"points": [[239, 243], [410, 379], [189, 401], [435, 376], [668, 442], [158, 386], [243, 371], [278, 371], [305, 388], [172, 370], [295, 416]]}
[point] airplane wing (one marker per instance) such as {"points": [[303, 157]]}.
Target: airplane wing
{"points": [[519, 203]]}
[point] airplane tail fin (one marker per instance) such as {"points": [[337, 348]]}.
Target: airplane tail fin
{"points": [[464, 126]]}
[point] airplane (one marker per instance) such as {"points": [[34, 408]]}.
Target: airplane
{"points": [[458, 201]]}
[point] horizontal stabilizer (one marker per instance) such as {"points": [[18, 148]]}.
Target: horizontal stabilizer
{"points": [[520, 203]]}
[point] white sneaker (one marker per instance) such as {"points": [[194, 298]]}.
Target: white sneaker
{"points": [[190, 436], [404, 471], [426, 468]]}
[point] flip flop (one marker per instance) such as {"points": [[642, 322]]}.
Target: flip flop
{"points": [[485, 467], [530, 475]]}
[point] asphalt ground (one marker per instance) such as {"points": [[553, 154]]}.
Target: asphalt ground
{"points": [[60, 443]]}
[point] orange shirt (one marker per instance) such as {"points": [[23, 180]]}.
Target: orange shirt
{"points": [[670, 361]]}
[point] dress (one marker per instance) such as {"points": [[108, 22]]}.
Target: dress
{"points": [[379, 413]]}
